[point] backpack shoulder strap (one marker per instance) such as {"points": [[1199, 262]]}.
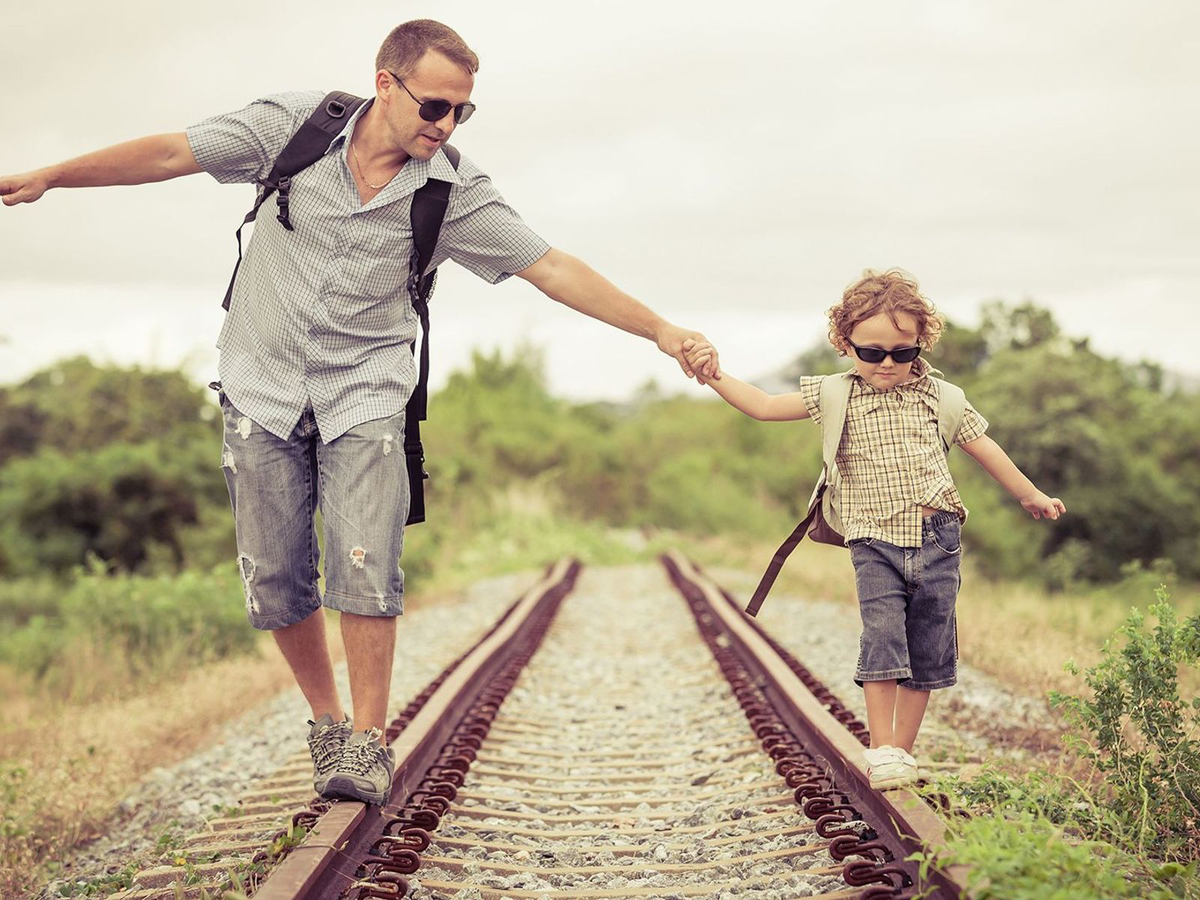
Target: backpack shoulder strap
{"points": [[835, 397], [952, 404], [313, 137], [428, 212], [305, 147]]}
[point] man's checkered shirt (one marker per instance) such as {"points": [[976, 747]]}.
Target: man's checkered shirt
{"points": [[320, 315], [890, 456]]}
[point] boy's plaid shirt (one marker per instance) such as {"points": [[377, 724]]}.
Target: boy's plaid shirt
{"points": [[890, 456]]}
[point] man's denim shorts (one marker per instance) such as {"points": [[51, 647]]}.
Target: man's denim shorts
{"points": [[360, 483], [906, 597]]}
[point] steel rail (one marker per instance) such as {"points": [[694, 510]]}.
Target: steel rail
{"points": [[348, 829], [904, 822]]}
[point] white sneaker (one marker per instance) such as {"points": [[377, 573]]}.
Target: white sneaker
{"points": [[889, 767]]}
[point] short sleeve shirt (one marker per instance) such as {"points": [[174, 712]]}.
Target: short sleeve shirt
{"points": [[890, 456], [320, 315]]}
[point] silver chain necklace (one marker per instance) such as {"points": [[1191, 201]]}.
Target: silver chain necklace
{"points": [[362, 174]]}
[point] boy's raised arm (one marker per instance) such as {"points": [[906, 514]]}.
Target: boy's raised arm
{"points": [[157, 157], [996, 463]]}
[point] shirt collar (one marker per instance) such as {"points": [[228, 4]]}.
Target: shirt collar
{"points": [[918, 377], [419, 170]]}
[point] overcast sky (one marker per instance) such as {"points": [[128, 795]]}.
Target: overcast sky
{"points": [[732, 165]]}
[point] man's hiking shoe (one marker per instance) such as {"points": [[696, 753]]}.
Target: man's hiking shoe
{"points": [[326, 739], [364, 772], [890, 767]]}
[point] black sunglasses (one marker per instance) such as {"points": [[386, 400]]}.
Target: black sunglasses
{"points": [[435, 110], [877, 355]]}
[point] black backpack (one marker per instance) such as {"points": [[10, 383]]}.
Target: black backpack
{"points": [[306, 146]]}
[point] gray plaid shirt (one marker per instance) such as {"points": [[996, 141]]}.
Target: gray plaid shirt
{"points": [[320, 315]]}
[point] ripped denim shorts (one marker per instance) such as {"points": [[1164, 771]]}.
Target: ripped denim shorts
{"points": [[359, 481]]}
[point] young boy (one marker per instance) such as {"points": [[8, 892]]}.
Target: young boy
{"points": [[900, 511]]}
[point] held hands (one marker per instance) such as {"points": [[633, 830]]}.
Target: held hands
{"points": [[677, 341], [1042, 507], [25, 188], [701, 356]]}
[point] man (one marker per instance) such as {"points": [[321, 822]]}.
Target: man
{"points": [[316, 363]]}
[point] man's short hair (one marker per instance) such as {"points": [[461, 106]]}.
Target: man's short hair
{"points": [[407, 43]]}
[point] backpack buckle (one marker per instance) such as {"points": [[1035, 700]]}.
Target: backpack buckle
{"points": [[282, 201], [335, 108]]}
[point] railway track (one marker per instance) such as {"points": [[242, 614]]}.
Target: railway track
{"points": [[586, 749]]}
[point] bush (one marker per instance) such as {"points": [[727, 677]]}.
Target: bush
{"points": [[1127, 827], [114, 503], [1140, 734], [110, 635]]}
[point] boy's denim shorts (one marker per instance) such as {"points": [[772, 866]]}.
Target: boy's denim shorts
{"points": [[906, 597], [360, 483]]}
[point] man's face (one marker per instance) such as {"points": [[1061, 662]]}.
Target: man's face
{"points": [[433, 78]]}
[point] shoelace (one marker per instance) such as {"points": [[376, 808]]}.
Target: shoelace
{"points": [[326, 751], [357, 758]]}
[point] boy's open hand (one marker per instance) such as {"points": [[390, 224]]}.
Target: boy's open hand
{"points": [[1042, 507], [702, 356]]}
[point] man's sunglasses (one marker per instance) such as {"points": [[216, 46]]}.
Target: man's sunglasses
{"points": [[877, 355], [435, 110]]}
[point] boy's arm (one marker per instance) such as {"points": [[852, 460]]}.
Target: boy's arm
{"points": [[757, 403], [157, 157], [996, 463], [754, 402]]}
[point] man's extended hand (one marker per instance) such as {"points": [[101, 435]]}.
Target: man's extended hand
{"points": [[25, 188], [671, 340]]}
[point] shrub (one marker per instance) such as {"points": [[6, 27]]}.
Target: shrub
{"points": [[1127, 827], [112, 634]]}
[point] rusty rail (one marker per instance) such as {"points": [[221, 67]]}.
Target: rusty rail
{"points": [[352, 831], [819, 749]]}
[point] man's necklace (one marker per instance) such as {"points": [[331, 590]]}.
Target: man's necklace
{"points": [[362, 174]]}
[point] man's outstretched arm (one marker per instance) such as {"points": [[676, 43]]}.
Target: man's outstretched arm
{"points": [[574, 283], [157, 157]]}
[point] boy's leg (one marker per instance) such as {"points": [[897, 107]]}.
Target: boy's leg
{"points": [[364, 501], [932, 636], [883, 649], [910, 710], [880, 697]]}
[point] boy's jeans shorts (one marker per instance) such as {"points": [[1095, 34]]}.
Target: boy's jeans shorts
{"points": [[360, 483], [906, 597]]}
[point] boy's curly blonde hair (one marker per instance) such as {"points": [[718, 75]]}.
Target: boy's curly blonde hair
{"points": [[894, 291]]}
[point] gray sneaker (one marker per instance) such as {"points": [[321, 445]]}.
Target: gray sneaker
{"points": [[364, 771], [326, 739]]}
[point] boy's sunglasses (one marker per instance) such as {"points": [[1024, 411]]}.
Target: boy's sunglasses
{"points": [[877, 355], [435, 110]]}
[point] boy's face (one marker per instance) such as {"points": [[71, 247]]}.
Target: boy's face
{"points": [[881, 333]]}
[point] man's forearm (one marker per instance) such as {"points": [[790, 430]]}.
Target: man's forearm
{"points": [[157, 157], [574, 283]]}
